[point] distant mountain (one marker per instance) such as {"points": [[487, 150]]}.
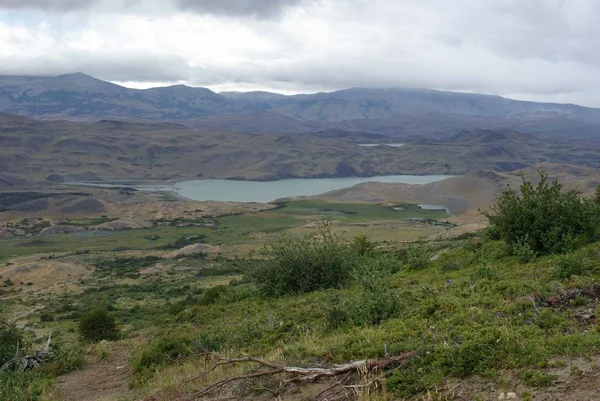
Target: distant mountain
{"points": [[80, 96], [396, 111], [360, 103]]}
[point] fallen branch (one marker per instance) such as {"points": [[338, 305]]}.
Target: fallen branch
{"points": [[303, 375], [29, 361]]}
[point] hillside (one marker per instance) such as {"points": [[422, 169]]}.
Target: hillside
{"points": [[58, 151], [394, 111], [346, 303]]}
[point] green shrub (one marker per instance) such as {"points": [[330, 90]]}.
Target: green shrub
{"points": [[64, 359], [535, 378], [523, 250], [164, 350], [46, 317], [569, 266], [370, 304], [28, 386], [300, 265], [9, 336], [362, 246], [417, 258], [212, 295], [98, 325], [543, 219]]}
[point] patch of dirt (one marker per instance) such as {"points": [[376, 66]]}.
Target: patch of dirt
{"points": [[45, 275], [578, 380], [193, 249], [99, 379]]}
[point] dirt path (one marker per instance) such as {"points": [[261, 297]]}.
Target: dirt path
{"points": [[99, 380]]}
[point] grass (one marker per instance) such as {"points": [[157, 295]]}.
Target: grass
{"points": [[232, 230], [489, 314]]}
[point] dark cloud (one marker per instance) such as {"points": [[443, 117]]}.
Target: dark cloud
{"points": [[55, 5], [260, 8], [257, 8]]}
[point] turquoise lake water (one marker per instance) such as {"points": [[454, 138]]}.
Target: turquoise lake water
{"points": [[253, 191]]}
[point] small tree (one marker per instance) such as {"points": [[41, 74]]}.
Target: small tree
{"points": [[98, 325], [299, 265], [543, 218]]}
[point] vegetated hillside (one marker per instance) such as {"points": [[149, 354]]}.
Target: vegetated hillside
{"points": [[107, 150], [507, 312], [394, 111]]}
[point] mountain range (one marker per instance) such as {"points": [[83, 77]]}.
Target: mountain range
{"points": [[397, 112]]}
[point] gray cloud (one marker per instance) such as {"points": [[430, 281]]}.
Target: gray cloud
{"points": [[54, 5], [111, 66], [257, 8], [260, 8], [537, 49]]}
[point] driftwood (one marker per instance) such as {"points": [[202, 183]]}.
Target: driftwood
{"points": [[304, 375], [29, 361]]}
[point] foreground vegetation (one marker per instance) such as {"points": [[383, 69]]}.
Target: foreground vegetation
{"points": [[500, 304]]}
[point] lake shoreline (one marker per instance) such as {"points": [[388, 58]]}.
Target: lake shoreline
{"points": [[245, 191]]}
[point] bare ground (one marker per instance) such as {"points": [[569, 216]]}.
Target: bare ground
{"points": [[99, 380]]}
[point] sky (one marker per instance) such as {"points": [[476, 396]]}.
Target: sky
{"points": [[543, 50]]}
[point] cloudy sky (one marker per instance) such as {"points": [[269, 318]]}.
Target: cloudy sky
{"points": [[528, 49]]}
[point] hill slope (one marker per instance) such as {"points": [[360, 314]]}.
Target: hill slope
{"points": [[71, 151]]}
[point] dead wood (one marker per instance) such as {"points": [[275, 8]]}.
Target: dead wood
{"points": [[29, 361], [300, 374]]}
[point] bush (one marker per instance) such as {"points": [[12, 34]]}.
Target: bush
{"points": [[9, 336], [46, 317], [569, 266], [362, 246], [417, 258], [163, 351], [300, 265], [543, 219], [373, 303], [98, 325]]}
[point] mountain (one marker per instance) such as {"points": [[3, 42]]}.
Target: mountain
{"points": [[58, 150], [359, 103], [79, 96], [396, 111]]}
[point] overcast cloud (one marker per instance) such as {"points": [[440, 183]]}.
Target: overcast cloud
{"points": [[535, 49]]}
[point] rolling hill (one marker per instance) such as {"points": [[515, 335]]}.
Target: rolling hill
{"points": [[56, 151]]}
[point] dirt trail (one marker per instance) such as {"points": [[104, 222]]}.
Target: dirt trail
{"points": [[99, 380]]}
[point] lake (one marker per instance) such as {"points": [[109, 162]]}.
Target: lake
{"points": [[254, 191]]}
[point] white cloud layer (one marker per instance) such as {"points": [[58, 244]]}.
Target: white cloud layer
{"points": [[534, 49]]}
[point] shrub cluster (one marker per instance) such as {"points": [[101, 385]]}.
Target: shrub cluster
{"points": [[98, 325], [300, 265], [544, 219]]}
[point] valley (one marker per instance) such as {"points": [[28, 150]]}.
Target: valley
{"points": [[309, 231]]}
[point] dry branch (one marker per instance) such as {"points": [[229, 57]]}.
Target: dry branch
{"points": [[302, 375], [29, 361]]}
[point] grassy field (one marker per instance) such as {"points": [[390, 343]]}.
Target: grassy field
{"points": [[231, 230]]}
